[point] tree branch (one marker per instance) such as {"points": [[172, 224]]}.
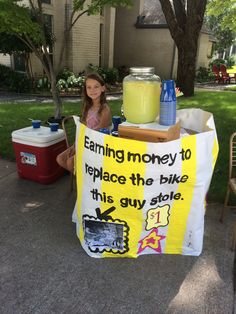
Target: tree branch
{"points": [[32, 6], [180, 12], [195, 16], [76, 19], [175, 29], [24, 41], [30, 44], [98, 3]]}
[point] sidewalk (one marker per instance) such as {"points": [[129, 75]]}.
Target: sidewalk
{"points": [[24, 98], [29, 98], [214, 86], [43, 268]]}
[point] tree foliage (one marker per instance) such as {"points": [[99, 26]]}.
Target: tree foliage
{"points": [[221, 20], [225, 37], [225, 10], [10, 44], [28, 25], [17, 20]]}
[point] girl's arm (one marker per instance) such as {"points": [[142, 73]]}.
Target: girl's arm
{"points": [[105, 118]]}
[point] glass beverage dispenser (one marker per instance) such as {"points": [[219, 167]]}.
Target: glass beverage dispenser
{"points": [[141, 95]]}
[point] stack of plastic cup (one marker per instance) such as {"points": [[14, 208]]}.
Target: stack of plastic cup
{"points": [[168, 103], [116, 120]]}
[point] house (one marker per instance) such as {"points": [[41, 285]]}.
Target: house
{"points": [[91, 39], [142, 38], [138, 36]]}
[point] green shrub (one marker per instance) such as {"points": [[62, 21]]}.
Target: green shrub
{"points": [[217, 62], [19, 82], [77, 82], [14, 81], [123, 72], [110, 75], [5, 72], [62, 84], [204, 75], [71, 82], [230, 61], [64, 74]]}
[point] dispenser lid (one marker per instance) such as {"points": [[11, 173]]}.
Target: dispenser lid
{"points": [[142, 70]]}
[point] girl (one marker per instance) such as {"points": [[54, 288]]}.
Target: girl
{"points": [[96, 114]]}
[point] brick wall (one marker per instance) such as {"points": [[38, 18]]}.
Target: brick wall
{"points": [[85, 42]]}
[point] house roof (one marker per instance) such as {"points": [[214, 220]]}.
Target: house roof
{"points": [[152, 16]]}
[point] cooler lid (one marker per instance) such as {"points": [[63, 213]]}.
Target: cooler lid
{"points": [[40, 135]]}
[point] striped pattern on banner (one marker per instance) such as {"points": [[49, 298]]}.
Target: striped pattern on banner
{"points": [[80, 174], [177, 224], [195, 223], [132, 216], [215, 152]]}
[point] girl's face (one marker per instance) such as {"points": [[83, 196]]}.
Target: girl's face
{"points": [[94, 89]]}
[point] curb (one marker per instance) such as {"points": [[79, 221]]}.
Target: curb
{"points": [[50, 96]]}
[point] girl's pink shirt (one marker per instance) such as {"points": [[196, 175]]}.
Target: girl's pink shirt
{"points": [[92, 120]]}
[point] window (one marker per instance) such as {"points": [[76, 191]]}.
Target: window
{"points": [[48, 22], [19, 62]]}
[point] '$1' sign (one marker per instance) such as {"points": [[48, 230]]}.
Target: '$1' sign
{"points": [[157, 217]]}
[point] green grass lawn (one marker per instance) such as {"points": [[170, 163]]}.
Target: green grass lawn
{"points": [[232, 70], [223, 107], [14, 116], [231, 88]]}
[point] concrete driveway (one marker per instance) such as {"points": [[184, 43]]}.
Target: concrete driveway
{"points": [[43, 268]]}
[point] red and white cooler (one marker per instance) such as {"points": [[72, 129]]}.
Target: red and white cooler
{"points": [[36, 151]]}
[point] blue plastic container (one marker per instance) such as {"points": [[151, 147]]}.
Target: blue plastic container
{"points": [[105, 131], [116, 120], [54, 127], [36, 124], [168, 103]]}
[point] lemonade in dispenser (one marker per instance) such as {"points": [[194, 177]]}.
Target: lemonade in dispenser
{"points": [[141, 95]]}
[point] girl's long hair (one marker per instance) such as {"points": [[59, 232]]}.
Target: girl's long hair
{"points": [[87, 101]]}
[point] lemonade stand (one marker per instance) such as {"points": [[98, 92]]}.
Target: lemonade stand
{"points": [[138, 197]]}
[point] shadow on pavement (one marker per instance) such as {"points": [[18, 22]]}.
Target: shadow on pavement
{"points": [[43, 268]]}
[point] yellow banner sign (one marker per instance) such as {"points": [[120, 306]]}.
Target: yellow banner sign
{"points": [[137, 198]]}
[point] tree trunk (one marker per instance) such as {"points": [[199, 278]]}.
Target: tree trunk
{"points": [[56, 97], [184, 19], [55, 94], [186, 67], [51, 75]]}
